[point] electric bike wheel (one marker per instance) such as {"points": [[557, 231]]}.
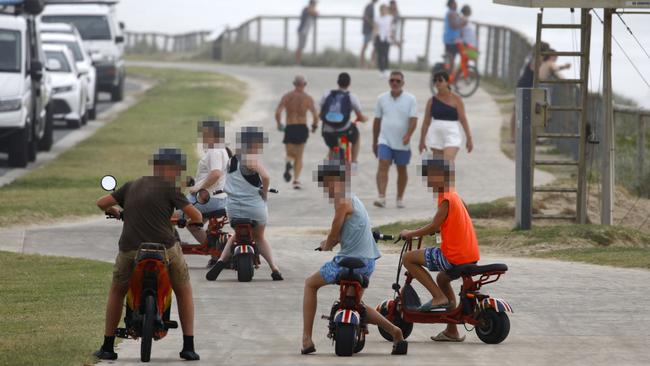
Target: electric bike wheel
{"points": [[406, 327], [361, 342], [345, 338], [466, 87], [147, 328], [493, 326], [245, 268]]}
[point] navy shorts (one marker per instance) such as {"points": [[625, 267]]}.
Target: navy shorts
{"points": [[435, 261], [400, 157]]}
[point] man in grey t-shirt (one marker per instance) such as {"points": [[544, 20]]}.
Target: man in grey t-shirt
{"points": [[307, 19], [367, 30]]}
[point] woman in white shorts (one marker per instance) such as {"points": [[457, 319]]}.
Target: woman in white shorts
{"points": [[444, 116]]}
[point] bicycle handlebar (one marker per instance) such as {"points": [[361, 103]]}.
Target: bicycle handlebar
{"points": [[376, 235]]}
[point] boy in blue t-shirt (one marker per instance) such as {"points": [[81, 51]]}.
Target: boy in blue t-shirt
{"points": [[351, 229]]}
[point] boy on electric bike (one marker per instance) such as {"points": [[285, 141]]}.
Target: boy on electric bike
{"points": [[457, 239], [247, 186], [352, 230], [147, 204]]}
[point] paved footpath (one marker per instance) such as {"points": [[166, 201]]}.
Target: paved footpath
{"points": [[565, 314]]}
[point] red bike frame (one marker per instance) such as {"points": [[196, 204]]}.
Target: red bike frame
{"points": [[215, 230], [243, 237]]}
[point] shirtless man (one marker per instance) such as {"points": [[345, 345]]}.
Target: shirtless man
{"points": [[296, 103]]}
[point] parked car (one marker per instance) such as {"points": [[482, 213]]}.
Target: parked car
{"points": [[73, 41], [69, 88], [24, 93], [97, 23]]}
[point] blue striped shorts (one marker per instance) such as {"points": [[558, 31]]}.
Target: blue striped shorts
{"points": [[436, 261]]}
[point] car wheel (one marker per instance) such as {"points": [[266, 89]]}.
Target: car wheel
{"points": [[74, 123], [45, 144], [117, 93], [18, 146]]}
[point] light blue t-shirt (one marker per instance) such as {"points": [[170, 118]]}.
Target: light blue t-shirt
{"points": [[450, 35], [395, 114], [356, 236]]}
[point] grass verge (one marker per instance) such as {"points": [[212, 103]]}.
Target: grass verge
{"points": [[51, 309], [605, 245], [166, 116]]}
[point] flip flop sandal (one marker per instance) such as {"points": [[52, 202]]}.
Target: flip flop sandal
{"points": [[308, 350], [400, 348], [427, 306], [277, 276], [442, 337]]}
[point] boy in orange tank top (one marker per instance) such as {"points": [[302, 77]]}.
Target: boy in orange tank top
{"points": [[458, 244]]}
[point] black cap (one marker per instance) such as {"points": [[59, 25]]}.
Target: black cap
{"points": [[170, 156]]}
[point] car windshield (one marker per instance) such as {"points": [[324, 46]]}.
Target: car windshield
{"points": [[57, 58], [9, 51], [91, 27], [74, 48]]}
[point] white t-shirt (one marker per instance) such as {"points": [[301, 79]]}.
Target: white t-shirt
{"points": [[384, 27], [395, 114], [469, 34], [213, 159], [356, 107]]}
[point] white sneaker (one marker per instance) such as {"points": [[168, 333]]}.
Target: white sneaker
{"points": [[400, 204], [381, 203]]}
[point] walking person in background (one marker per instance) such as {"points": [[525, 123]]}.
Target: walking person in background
{"points": [[526, 77], [452, 34], [443, 118], [296, 103], [396, 117], [468, 33], [397, 22], [367, 30], [383, 39], [307, 19]]}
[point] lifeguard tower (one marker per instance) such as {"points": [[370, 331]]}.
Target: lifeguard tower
{"points": [[532, 106]]}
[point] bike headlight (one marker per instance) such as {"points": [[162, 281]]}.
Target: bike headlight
{"points": [[9, 105], [63, 89]]}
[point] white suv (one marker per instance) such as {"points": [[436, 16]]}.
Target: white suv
{"points": [[69, 88], [97, 23], [24, 93], [67, 35]]}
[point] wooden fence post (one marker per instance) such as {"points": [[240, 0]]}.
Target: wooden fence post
{"points": [[315, 38], [259, 38], [343, 31], [488, 52], [286, 34], [427, 46], [640, 150], [497, 53], [401, 42]]}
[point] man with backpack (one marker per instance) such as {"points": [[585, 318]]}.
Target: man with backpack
{"points": [[336, 108]]}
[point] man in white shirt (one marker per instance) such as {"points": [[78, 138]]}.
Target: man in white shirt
{"points": [[210, 173], [395, 121]]}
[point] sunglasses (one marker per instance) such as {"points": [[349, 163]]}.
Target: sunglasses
{"points": [[395, 81]]}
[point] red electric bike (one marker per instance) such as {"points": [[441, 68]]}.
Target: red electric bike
{"points": [[486, 314]]}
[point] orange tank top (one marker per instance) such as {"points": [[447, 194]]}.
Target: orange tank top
{"points": [[459, 243]]}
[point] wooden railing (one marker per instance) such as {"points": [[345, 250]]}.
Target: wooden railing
{"points": [[140, 42]]}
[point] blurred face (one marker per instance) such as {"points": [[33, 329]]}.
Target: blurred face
{"points": [[170, 172], [254, 148], [396, 82], [453, 6], [383, 10], [436, 180], [440, 83], [334, 187], [210, 138]]}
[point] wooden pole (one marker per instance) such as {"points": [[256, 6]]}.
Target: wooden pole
{"points": [[286, 34], [315, 45], [489, 51], [427, 46], [640, 150], [585, 38], [343, 31], [608, 176], [259, 38], [497, 52]]}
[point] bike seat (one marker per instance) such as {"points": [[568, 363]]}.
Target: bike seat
{"points": [[151, 251], [352, 263], [472, 269], [239, 222], [216, 213], [364, 281]]}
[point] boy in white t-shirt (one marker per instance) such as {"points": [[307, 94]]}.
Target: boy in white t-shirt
{"points": [[210, 173]]}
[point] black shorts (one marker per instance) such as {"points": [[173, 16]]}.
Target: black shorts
{"points": [[451, 49], [332, 138], [295, 134]]}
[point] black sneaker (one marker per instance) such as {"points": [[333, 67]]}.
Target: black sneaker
{"points": [[105, 355], [212, 262], [189, 355], [214, 272], [277, 276], [287, 172]]}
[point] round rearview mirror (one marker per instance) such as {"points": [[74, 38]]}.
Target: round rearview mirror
{"points": [[109, 183], [202, 196]]}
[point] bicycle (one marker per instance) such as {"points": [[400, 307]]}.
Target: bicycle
{"points": [[465, 79]]}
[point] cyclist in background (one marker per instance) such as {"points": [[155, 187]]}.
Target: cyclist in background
{"points": [[336, 107]]}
